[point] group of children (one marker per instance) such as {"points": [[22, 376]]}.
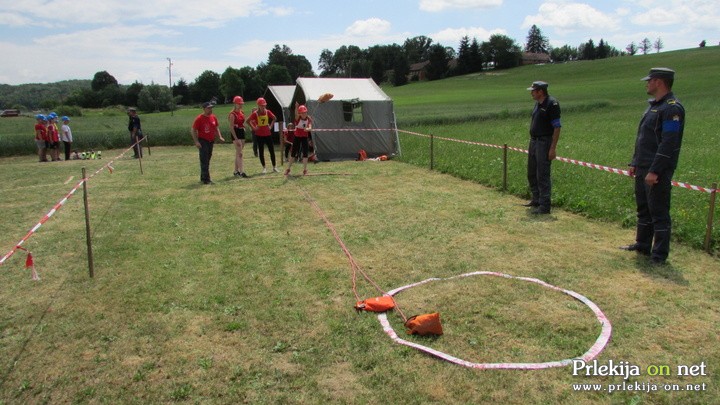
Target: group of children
{"points": [[296, 136], [48, 137]]}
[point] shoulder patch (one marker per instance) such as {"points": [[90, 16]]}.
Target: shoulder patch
{"points": [[676, 117], [671, 101]]}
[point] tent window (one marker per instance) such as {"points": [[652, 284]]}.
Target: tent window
{"points": [[352, 111]]}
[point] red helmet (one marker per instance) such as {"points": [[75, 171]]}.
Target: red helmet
{"points": [[302, 109], [238, 100], [261, 101]]}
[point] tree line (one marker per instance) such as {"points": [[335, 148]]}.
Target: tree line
{"points": [[394, 64]]}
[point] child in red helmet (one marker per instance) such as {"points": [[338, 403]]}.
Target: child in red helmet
{"points": [[236, 118], [303, 125], [261, 121]]}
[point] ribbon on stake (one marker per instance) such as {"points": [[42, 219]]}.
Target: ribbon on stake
{"points": [[30, 263]]}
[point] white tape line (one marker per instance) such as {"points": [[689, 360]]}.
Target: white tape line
{"points": [[588, 356]]}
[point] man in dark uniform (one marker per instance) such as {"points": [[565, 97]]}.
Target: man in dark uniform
{"points": [[657, 148], [544, 135], [135, 131]]}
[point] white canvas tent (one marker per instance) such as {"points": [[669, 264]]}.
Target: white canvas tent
{"points": [[279, 99], [359, 116]]}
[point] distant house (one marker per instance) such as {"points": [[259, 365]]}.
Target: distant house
{"points": [[418, 71], [531, 58]]}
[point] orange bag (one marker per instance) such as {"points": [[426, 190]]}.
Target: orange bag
{"points": [[362, 155], [324, 98], [426, 324], [376, 304]]}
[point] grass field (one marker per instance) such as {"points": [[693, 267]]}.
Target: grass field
{"points": [[602, 102], [238, 293]]}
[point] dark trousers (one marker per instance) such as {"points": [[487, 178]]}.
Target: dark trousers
{"points": [[653, 213], [262, 141], [538, 170], [255, 143], [300, 147], [206, 149], [68, 146], [288, 147], [137, 148]]}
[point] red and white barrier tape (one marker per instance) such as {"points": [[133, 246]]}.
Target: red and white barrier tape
{"points": [[567, 160], [42, 221], [57, 206], [589, 355]]}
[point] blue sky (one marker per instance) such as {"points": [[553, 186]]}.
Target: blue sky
{"points": [[51, 40]]}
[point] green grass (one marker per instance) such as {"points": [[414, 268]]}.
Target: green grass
{"points": [[602, 103], [239, 293], [104, 129], [601, 100]]}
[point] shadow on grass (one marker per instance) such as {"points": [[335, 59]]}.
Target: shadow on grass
{"points": [[666, 271], [541, 217]]}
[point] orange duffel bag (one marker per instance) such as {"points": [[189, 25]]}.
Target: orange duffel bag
{"points": [[426, 324], [376, 304]]}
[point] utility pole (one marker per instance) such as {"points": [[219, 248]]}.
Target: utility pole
{"points": [[172, 96]]}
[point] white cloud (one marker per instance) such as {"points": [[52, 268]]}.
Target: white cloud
{"points": [[210, 14], [135, 51], [434, 6], [370, 27], [696, 14], [566, 16], [15, 20]]}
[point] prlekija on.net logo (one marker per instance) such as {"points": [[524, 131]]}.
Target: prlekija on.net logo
{"points": [[626, 369]]}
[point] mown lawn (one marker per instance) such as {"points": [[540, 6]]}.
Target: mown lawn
{"points": [[238, 292]]}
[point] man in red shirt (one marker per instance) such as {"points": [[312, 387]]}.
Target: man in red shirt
{"points": [[203, 132], [261, 122]]}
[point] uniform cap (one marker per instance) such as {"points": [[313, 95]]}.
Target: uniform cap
{"points": [[208, 104], [65, 118], [660, 73], [538, 85]]}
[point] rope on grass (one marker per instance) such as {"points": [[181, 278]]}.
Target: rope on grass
{"points": [[354, 266], [588, 356]]}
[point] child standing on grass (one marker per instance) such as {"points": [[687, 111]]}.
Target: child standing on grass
{"points": [[303, 124], [66, 136], [41, 137], [236, 118], [53, 135], [261, 121], [288, 138]]}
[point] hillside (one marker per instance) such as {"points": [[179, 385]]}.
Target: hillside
{"points": [[31, 95], [613, 82], [602, 102]]}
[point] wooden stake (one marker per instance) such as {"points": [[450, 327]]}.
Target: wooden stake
{"points": [[710, 220], [91, 266]]}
